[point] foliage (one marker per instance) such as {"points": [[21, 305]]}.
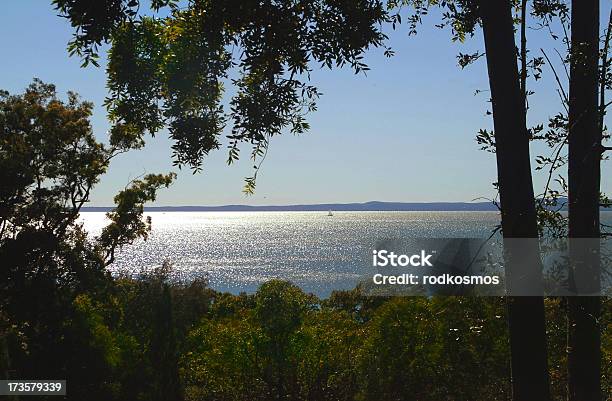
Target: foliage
{"points": [[426, 342], [49, 161], [94, 21], [126, 223], [53, 276], [410, 348], [171, 71]]}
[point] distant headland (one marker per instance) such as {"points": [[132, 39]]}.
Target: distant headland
{"points": [[373, 206]]}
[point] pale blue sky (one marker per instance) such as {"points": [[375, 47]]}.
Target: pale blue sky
{"points": [[403, 133]]}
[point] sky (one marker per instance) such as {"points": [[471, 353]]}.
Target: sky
{"points": [[403, 133]]}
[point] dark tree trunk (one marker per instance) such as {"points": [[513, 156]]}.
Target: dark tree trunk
{"points": [[530, 380], [584, 342]]}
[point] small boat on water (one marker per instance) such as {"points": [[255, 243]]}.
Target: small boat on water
{"points": [[330, 213]]}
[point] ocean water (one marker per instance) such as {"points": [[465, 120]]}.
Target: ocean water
{"points": [[239, 251]]}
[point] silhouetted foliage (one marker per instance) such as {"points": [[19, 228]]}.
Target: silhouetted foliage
{"points": [[52, 273], [172, 71]]}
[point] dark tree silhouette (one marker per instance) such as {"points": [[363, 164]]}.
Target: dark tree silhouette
{"points": [[49, 162], [530, 379], [510, 142], [584, 149]]}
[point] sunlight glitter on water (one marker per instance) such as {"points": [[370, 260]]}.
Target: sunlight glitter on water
{"points": [[238, 251]]}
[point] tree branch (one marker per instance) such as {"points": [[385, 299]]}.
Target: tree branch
{"points": [[565, 98], [602, 79], [524, 52]]}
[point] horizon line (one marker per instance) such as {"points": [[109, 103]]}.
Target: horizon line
{"points": [[352, 206]]}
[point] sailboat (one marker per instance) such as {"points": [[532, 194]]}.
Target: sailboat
{"points": [[330, 213]]}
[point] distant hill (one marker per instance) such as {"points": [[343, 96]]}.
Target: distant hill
{"points": [[336, 207]]}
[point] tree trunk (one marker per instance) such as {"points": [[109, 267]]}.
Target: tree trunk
{"points": [[530, 381], [584, 143]]}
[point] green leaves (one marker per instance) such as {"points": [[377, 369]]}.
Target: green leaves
{"points": [[170, 72], [134, 81], [127, 222], [465, 59], [486, 140], [280, 343], [93, 22], [49, 159]]}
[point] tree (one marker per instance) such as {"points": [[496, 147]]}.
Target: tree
{"points": [[279, 310], [171, 71], [49, 162], [582, 129], [525, 314], [584, 148], [510, 141], [424, 349]]}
